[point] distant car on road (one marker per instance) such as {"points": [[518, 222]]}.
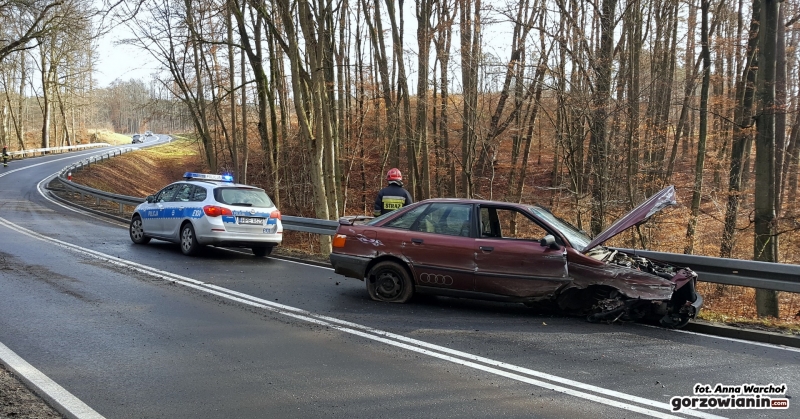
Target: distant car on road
{"points": [[207, 209], [136, 139], [148, 133], [517, 253]]}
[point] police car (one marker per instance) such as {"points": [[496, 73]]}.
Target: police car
{"points": [[207, 209]]}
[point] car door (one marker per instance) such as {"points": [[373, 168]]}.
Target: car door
{"points": [[174, 206], [509, 259], [160, 205], [156, 211], [436, 240], [175, 209]]}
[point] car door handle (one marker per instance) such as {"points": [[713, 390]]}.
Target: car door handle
{"points": [[416, 241], [487, 249]]}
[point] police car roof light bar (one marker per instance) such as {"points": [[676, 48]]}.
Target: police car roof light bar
{"points": [[206, 176]]}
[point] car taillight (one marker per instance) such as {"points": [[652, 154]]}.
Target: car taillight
{"points": [[275, 214], [338, 240], [215, 211]]}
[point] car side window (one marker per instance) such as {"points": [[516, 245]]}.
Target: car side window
{"points": [[405, 221], [509, 223], [165, 194], [449, 219], [199, 194], [184, 192]]}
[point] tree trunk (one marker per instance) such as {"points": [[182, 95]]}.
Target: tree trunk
{"points": [[424, 10], [745, 90], [701, 141], [765, 246], [45, 101], [598, 147], [470, 57], [230, 7], [780, 109]]}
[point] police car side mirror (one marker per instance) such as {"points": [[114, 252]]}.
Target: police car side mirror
{"points": [[149, 199]]}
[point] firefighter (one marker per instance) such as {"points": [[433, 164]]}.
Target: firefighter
{"points": [[392, 196], [5, 156]]}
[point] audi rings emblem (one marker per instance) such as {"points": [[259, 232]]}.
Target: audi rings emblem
{"points": [[427, 278]]}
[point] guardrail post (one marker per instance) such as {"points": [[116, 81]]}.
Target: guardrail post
{"points": [[121, 210], [96, 201]]}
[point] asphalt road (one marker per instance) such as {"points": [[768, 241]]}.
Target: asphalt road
{"points": [[144, 331]]}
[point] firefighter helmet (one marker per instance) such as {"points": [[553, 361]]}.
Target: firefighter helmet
{"points": [[394, 175]]}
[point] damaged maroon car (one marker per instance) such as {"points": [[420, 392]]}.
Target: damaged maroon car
{"points": [[516, 253]]}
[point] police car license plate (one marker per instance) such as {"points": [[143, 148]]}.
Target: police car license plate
{"points": [[251, 220]]}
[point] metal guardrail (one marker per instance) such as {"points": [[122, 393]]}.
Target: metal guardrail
{"points": [[33, 151], [309, 225], [746, 273]]}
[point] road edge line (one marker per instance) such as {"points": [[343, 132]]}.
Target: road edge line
{"points": [[56, 396]]}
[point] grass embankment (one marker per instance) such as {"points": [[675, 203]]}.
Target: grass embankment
{"points": [[146, 171], [105, 136], [143, 172]]}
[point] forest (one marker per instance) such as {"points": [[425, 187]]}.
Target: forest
{"points": [[585, 107]]}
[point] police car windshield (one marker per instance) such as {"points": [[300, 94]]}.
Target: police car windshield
{"points": [[245, 197]]}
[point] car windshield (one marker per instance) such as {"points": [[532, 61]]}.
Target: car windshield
{"points": [[378, 219], [577, 238], [245, 197]]}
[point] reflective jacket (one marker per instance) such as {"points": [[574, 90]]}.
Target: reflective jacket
{"points": [[391, 198]]}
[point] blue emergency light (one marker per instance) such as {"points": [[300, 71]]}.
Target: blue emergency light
{"points": [[206, 176]]}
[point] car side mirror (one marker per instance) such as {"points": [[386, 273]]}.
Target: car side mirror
{"points": [[150, 199], [549, 241]]}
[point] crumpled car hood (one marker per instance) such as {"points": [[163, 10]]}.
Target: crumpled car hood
{"points": [[640, 214]]}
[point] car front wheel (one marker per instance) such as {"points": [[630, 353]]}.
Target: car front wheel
{"points": [[189, 244], [137, 232], [390, 282]]}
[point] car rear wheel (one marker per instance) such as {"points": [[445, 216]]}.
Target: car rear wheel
{"points": [[388, 281], [137, 232], [189, 244], [262, 251]]}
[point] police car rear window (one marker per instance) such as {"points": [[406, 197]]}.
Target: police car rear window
{"points": [[246, 197]]}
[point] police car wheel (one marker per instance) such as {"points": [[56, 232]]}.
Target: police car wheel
{"points": [[262, 251], [137, 232], [189, 244], [390, 282]]}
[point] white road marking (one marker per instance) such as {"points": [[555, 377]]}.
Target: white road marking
{"points": [[47, 388], [767, 345], [40, 188], [510, 371]]}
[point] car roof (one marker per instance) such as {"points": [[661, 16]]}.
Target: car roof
{"points": [[216, 183], [472, 201]]}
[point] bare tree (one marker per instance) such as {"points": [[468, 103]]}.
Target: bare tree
{"points": [[765, 246], [26, 22], [470, 26], [742, 133], [701, 143]]}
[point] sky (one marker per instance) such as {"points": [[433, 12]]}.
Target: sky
{"points": [[122, 62]]}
